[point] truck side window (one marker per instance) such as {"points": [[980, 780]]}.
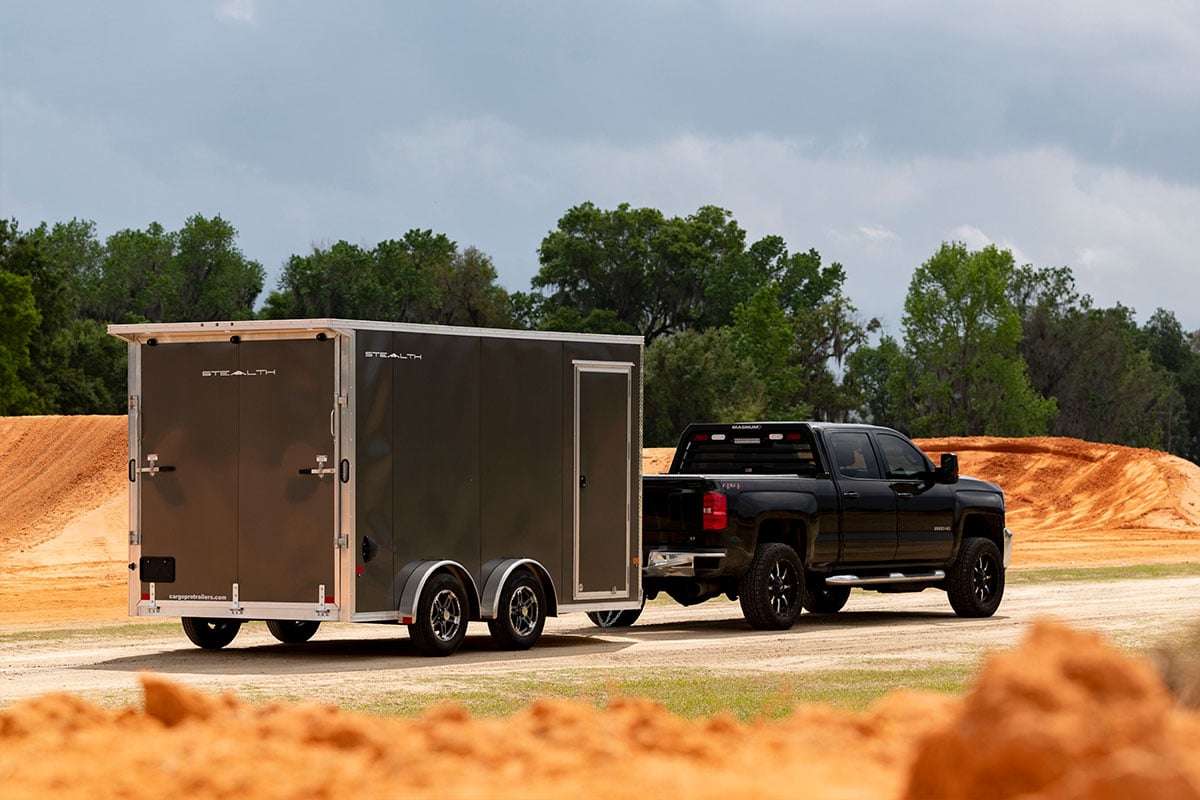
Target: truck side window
{"points": [[853, 455], [901, 458]]}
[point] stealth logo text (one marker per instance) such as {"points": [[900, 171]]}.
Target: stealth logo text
{"points": [[401, 356], [235, 373]]}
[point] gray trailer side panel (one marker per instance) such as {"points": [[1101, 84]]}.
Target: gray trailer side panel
{"points": [[521, 439], [435, 449]]}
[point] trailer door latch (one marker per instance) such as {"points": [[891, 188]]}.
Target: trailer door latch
{"points": [[154, 468], [320, 470]]}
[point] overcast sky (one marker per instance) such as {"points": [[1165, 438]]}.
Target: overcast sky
{"points": [[1068, 132]]}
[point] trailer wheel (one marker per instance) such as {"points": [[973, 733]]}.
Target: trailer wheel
{"points": [[522, 613], [614, 619], [441, 622], [772, 590], [292, 631], [976, 581], [211, 634]]}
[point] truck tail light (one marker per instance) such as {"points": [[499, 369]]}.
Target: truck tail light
{"points": [[716, 511]]}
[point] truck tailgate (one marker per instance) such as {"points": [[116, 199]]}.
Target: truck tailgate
{"points": [[672, 508]]}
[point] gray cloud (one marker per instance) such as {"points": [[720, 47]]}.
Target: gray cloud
{"points": [[1069, 131]]}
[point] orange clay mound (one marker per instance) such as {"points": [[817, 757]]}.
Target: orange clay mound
{"points": [[54, 470], [1073, 502], [1062, 716]]}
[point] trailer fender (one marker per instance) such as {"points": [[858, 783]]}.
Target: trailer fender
{"points": [[498, 573], [419, 574]]}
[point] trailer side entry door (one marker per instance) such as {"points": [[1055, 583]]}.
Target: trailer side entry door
{"points": [[603, 454], [242, 434]]}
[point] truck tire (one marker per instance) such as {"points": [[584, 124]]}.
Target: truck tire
{"points": [[976, 582], [772, 590], [210, 634], [522, 613], [292, 631], [442, 615], [614, 619], [820, 598]]}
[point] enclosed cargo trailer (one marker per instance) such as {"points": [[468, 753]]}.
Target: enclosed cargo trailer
{"points": [[302, 471]]}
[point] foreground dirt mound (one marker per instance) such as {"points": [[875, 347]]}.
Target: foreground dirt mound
{"points": [[1063, 716]]}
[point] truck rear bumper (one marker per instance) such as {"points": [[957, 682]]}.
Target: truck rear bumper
{"points": [[1008, 547], [683, 564]]}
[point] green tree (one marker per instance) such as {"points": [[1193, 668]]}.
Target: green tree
{"points": [[212, 279], [465, 292], [421, 277], [962, 332], [1111, 382], [763, 341], [336, 281], [134, 280], [878, 376], [695, 376], [19, 318], [1171, 351], [651, 272]]}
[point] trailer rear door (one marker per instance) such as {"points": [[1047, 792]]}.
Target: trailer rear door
{"points": [[242, 434]]}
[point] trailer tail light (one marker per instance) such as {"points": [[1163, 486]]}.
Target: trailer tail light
{"points": [[716, 511], [700, 437], [794, 437]]}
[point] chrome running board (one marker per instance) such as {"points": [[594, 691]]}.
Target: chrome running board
{"points": [[894, 577]]}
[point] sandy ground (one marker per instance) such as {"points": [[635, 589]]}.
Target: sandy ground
{"points": [[1061, 715]]}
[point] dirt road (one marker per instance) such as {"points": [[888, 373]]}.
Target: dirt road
{"points": [[354, 662]]}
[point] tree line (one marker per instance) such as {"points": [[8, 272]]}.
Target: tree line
{"points": [[734, 329]]}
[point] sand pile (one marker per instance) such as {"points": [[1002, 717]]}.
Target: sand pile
{"points": [[1063, 716]]}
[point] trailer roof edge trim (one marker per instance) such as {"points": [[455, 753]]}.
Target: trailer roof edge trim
{"points": [[131, 331]]}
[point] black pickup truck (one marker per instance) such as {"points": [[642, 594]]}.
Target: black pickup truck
{"points": [[789, 515]]}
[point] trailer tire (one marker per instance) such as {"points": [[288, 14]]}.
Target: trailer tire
{"points": [[210, 634], [772, 590], [522, 613], [975, 585], [294, 631], [614, 619], [442, 615]]}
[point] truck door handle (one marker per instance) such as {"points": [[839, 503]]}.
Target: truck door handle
{"points": [[850, 495], [583, 481], [904, 495]]}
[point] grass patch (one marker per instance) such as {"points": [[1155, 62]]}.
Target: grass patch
{"points": [[131, 631], [686, 693], [1035, 577]]}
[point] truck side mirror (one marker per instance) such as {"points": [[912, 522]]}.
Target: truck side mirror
{"points": [[949, 470]]}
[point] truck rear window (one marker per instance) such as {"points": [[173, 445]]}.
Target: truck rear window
{"points": [[760, 452]]}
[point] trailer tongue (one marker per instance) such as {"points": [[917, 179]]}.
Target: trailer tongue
{"points": [[304, 471]]}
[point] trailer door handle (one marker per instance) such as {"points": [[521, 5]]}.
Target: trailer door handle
{"points": [[154, 468], [320, 470], [583, 481]]}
